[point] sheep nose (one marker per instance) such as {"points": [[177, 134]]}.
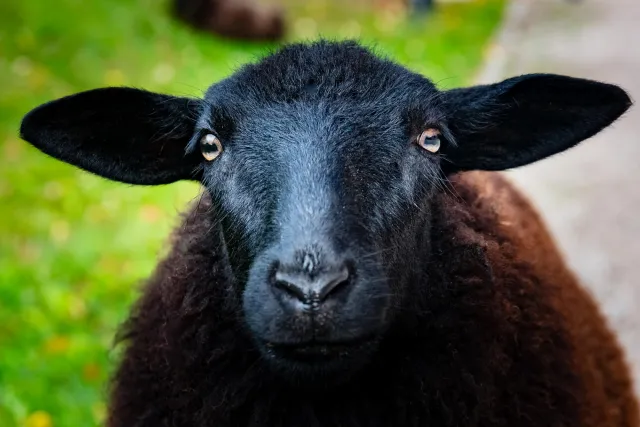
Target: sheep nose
{"points": [[311, 290]]}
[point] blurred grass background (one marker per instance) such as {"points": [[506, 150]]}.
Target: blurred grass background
{"points": [[74, 247]]}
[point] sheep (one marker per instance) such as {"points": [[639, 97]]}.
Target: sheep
{"points": [[356, 258], [240, 19]]}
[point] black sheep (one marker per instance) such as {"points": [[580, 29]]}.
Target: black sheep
{"points": [[342, 268], [240, 19]]}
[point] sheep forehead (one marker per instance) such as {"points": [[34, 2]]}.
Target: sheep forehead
{"points": [[323, 71]]}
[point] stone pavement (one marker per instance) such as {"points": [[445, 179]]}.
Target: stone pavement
{"points": [[590, 195]]}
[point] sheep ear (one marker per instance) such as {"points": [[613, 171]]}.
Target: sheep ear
{"points": [[123, 134], [525, 119]]}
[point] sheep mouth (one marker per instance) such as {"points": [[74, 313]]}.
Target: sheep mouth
{"points": [[319, 351]]}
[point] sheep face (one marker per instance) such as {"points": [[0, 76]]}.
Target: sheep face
{"points": [[321, 161], [323, 182]]}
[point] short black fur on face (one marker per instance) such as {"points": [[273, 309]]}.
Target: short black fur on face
{"points": [[321, 193]]}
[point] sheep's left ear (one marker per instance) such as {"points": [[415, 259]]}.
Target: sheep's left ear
{"points": [[525, 119], [123, 134]]}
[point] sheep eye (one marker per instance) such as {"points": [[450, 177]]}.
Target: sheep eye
{"points": [[430, 140], [210, 146]]}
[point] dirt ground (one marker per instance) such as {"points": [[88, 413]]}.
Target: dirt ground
{"points": [[590, 195]]}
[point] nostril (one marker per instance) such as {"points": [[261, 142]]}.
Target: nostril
{"points": [[334, 283], [291, 289]]}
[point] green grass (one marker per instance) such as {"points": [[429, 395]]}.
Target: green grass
{"points": [[74, 247]]}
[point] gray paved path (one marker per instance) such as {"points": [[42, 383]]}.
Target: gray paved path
{"points": [[590, 196]]}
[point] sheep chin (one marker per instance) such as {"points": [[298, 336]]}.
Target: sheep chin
{"points": [[319, 365]]}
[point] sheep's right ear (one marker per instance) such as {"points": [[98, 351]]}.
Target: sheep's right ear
{"points": [[122, 134]]}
